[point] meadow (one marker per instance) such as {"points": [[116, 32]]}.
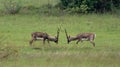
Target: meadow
{"points": [[15, 34]]}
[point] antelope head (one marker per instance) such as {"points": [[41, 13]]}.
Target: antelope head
{"points": [[69, 38], [56, 38]]}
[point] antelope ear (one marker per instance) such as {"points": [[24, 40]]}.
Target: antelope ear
{"points": [[69, 36], [55, 36], [68, 41]]}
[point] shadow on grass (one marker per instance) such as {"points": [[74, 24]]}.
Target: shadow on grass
{"points": [[37, 48], [87, 48], [62, 48]]}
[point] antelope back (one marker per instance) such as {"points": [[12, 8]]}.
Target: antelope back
{"points": [[40, 35]]}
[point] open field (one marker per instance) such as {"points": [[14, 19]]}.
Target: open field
{"points": [[15, 32]]}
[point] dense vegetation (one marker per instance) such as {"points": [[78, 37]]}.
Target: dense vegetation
{"points": [[83, 6], [61, 7]]}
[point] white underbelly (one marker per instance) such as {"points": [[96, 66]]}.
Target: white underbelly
{"points": [[84, 39], [38, 38]]}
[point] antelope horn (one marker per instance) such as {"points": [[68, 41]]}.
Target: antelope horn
{"points": [[58, 33], [66, 34]]}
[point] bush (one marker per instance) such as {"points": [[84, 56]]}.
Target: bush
{"points": [[90, 5], [12, 6]]}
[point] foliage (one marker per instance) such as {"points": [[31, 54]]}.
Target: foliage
{"points": [[67, 6], [12, 6], [90, 5]]}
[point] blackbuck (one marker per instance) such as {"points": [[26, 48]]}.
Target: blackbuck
{"points": [[44, 37], [81, 37]]}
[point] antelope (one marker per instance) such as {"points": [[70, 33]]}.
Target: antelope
{"points": [[44, 36], [81, 37]]}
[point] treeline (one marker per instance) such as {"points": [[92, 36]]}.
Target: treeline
{"points": [[63, 7], [87, 6]]}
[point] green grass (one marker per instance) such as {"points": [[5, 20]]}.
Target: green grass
{"points": [[35, 3], [16, 31]]}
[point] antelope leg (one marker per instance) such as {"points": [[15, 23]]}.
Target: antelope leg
{"points": [[31, 41], [92, 43], [78, 41]]}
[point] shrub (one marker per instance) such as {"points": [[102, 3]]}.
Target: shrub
{"points": [[90, 5], [12, 6]]}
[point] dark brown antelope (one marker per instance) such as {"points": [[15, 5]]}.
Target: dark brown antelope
{"points": [[81, 37], [44, 37]]}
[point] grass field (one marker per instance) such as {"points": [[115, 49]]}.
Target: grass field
{"points": [[15, 34], [15, 31]]}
